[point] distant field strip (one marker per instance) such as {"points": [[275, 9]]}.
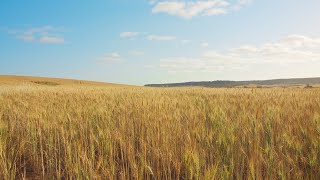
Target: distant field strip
{"points": [[79, 132]]}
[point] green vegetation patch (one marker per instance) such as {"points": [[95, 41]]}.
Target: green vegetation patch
{"points": [[47, 83]]}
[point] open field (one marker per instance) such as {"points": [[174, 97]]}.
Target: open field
{"points": [[122, 132]]}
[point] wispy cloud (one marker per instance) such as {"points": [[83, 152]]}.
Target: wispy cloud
{"points": [[129, 35], [160, 38], [147, 36], [204, 44], [152, 1], [191, 8], [136, 53], [110, 58], [44, 34], [51, 39], [26, 38], [185, 41], [291, 49]]}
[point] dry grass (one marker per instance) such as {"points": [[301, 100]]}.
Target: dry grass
{"points": [[29, 80], [59, 132]]}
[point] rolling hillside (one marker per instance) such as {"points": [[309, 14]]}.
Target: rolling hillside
{"points": [[273, 82], [15, 80]]}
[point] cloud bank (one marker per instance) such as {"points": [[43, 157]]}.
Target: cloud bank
{"points": [[296, 49], [190, 8]]}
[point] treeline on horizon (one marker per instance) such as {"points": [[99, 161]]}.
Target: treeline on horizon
{"points": [[221, 83]]}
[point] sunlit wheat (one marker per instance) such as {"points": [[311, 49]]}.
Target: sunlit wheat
{"points": [[64, 132]]}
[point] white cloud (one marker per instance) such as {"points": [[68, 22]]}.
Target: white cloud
{"points": [[294, 49], [44, 34], [150, 37], [137, 53], [110, 58], [204, 44], [185, 41], [152, 1], [299, 41], [48, 39], [190, 8], [27, 38], [216, 11], [240, 4], [129, 35], [160, 38]]}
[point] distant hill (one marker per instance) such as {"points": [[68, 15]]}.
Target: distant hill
{"points": [[15, 80], [273, 82]]}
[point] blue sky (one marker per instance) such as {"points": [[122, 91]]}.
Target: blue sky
{"points": [[160, 41]]}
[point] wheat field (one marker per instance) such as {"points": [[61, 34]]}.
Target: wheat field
{"points": [[91, 132]]}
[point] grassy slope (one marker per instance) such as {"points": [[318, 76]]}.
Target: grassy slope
{"points": [[16, 80]]}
